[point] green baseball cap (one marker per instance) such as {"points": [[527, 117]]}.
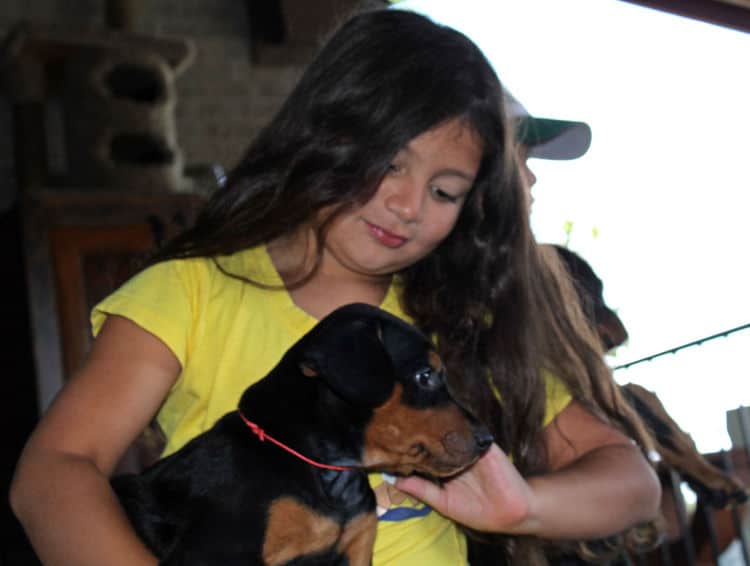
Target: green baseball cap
{"points": [[547, 138]]}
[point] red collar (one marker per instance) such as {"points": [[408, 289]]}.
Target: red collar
{"points": [[261, 434]]}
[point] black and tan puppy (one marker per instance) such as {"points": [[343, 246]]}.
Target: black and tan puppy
{"points": [[361, 392]]}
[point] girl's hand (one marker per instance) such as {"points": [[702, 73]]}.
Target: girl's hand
{"points": [[598, 484], [489, 496]]}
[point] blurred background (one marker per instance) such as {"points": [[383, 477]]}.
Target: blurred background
{"points": [[118, 118]]}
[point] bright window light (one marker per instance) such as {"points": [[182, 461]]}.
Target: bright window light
{"points": [[660, 204]]}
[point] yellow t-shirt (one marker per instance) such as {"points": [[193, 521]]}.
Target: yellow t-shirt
{"points": [[228, 334]]}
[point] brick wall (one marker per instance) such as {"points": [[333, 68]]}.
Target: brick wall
{"points": [[223, 98]]}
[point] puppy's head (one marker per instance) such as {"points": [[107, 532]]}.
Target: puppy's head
{"points": [[376, 362]]}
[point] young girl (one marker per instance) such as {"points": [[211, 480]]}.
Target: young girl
{"points": [[388, 178]]}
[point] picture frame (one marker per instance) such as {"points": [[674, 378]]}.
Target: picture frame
{"points": [[79, 247]]}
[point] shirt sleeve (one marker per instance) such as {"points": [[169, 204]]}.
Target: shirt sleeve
{"points": [[558, 396], [158, 299]]}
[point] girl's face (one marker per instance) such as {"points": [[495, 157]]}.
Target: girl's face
{"points": [[414, 208]]}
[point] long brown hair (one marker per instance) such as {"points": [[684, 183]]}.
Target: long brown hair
{"points": [[486, 292]]}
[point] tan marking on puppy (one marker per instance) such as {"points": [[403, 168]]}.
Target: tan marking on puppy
{"points": [[435, 362], [294, 529], [307, 371], [358, 538], [401, 439]]}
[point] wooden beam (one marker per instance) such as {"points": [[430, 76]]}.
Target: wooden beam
{"points": [[733, 14]]}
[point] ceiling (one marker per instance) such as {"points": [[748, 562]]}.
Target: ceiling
{"points": [[734, 14], [290, 30]]}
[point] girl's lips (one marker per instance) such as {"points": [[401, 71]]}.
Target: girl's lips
{"points": [[388, 239]]}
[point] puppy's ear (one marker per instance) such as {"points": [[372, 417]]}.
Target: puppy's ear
{"points": [[351, 359], [402, 341]]}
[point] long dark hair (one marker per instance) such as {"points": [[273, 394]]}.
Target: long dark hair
{"points": [[384, 77]]}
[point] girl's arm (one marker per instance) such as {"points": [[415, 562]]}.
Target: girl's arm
{"points": [[600, 484], [61, 491]]}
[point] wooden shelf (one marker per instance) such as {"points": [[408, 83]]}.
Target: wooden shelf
{"points": [[79, 246]]}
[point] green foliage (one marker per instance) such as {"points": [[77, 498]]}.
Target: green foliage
{"points": [[568, 226], [568, 231]]}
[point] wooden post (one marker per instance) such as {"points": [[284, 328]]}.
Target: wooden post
{"points": [[121, 15]]}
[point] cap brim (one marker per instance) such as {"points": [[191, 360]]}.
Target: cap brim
{"points": [[553, 139]]}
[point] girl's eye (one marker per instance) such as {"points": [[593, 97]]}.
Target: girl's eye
{"points": [[440, 194], [394, 168]]}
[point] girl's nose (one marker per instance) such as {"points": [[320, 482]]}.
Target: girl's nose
{"points": [[404, 199]]}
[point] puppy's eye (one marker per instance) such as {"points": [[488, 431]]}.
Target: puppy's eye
{"points": [[428, 379]]}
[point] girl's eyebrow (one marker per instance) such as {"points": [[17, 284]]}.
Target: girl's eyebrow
{"points": [[447, 172], [450, 172]]}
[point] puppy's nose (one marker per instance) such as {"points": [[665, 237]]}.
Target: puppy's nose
{"points": [[483, 438]]}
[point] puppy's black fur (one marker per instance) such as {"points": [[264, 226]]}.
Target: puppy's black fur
{"points": [[362, 390]]}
